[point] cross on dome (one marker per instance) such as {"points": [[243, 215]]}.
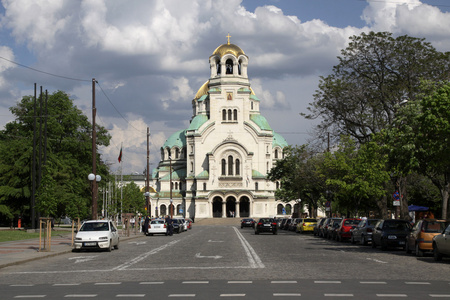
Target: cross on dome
{"points": [[228, 37]]}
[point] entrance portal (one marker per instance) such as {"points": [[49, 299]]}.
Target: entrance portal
{"points": [[231, 207], [217, 207], [244, 207]]}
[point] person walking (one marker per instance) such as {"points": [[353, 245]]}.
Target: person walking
{"points": [[145, 226], [169, 225]]}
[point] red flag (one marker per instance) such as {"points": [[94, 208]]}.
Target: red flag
{"points": [[120, 154]]}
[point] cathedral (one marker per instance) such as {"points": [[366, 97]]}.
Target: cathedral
{"points": [[217, 167]]}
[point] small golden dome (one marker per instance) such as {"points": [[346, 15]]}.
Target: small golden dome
{"points": [[203, 90], [228, 48]]}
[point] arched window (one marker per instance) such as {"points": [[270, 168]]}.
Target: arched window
{"points": [[192, 167], [256, 186], [238, 167], [288, 209], [252, 105], [230, 165], [229, 115], [278, 185], [276, 153], [219, 69], [204, 186], [229, 66], [168, 153], [176, 185], [279, 209], [239, 68], [180, 186], [171, 186], [267, 167], [162, 154], [177, 153], [224, 115], [224, 167], [235, 114]]}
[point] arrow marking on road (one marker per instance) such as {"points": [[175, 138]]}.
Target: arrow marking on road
{"points": [[200, 256], [79, 259]]}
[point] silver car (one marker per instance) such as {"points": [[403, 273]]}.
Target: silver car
{"points": [[363, 232], [441, 244]]}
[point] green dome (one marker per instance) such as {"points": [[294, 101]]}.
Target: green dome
{"points": [[278, 140], [178, 139]]}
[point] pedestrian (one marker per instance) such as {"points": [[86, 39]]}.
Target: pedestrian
{"points": [[145, 226], [132, 222], [169, 225]]}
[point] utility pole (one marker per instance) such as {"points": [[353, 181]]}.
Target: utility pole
{"points": [[94, 155], [147, 181]]}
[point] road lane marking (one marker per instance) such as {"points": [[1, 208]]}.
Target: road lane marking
{"points": [[130, 295], [239, 281], [65, 284], [392, 295], [376, 260], [107, 283], [200, 256], [232, 295], [152, 282], [79, 259], [338, 295], [373, 282], [286, 295], [253, 258], [211, 241], [418, 283], [21, 285], [439, 296], [30, 296], [181, 295], [195, 282], [292, 281], [138, 243], [143, 256], [80, 296], [325, 281]]}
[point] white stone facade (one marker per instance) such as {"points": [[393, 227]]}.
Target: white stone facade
{"points": [[220, 163]]}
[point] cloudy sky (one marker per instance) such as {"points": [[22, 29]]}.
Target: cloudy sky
{"points": [[151, 56]]}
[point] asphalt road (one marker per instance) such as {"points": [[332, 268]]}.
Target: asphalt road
{"points": [[215, 262]]}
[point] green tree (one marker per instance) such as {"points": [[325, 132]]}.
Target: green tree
{"points": [[133, 199], [64, 188], [375, 73]]}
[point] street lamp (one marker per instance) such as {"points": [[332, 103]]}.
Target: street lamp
{"points": [[94, 179], [170, 186]]}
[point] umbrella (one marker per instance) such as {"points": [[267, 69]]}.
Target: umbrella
{"points": [[417, 208]]}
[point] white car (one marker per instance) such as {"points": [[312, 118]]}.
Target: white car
{"points": [[156, 226], [97, 234]]}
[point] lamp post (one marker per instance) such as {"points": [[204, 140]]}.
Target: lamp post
{"points": [[170, 186], [94, 181]]}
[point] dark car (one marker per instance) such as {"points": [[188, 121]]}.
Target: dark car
{"points": [[293, 224], [390, 233], [318, 227], [344, 231], [266, 225], [177, 225], [282, 223], [331, 228], [287, 224], [363, 232], [247, 223]]}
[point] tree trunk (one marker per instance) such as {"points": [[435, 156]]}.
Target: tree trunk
{"points": [[382, 206]]}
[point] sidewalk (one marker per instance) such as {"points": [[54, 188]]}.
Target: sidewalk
{"points": [[17, 252]]}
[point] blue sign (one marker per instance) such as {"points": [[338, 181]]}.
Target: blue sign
{"points": [[284, 211]]}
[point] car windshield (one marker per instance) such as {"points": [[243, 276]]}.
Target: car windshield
{"points": [[351, 222], [434, 227], [267, 220], [157, 222], [95, 226], [310, 221], [396, 225]]}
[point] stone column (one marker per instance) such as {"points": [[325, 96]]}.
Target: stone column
{"points": [[238, 215], [224, 209]]}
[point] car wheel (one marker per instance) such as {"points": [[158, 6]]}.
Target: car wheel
{"points": [[437, 255], [109, 246], [407, 249], [116, 247], [275, 232], [419, 253], [256, 232]]}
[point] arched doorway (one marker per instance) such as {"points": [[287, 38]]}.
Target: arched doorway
{"points": [[217, 207], [244, 207], [162, 210], [231, 207]]}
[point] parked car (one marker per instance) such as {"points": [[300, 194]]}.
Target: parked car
{"points": [[390, 233], [331, 228], [266, 225], [345, 227], [247, 223], [156, 226], [293, 224], [306, 225], [420, 239], [97, 234], [286, 225], [441, 244], [319, 226], [189, 223], [363, 232], [178, 225]]}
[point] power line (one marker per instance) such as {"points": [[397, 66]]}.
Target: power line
{"points": [[43, 72]]}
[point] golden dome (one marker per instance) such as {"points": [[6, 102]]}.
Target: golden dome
{"points": [[228, 48], [203, 90]]}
